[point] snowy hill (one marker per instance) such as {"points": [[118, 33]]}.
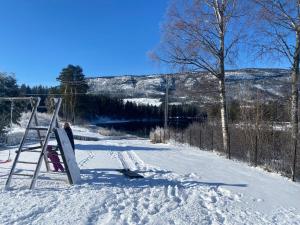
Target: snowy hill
{"points": [[182, 185], [244, 84]]}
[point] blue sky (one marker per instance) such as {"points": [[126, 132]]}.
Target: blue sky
{"points": [[105, 37]]}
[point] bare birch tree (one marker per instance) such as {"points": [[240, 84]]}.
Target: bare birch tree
{"points": [[280, 25], [203, 35]]}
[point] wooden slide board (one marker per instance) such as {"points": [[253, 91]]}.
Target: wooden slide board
{"points": [[68, 156]]}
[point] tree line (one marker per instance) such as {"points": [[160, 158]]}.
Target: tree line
{"points": [[78, 104]]}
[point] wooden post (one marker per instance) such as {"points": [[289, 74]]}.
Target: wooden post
{"points": [[212, 138], [182, 136], [256, 149], [229, 145], [191, 137], [200, 142], [160, 135]]}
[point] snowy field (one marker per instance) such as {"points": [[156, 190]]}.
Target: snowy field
{"points": [[182, 185]]}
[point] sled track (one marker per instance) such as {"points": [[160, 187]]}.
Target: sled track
{"points": [[129, 160], [85, 161]]}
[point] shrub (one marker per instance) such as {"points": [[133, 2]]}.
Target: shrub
{"points": [[159, 135], [109, 132]]}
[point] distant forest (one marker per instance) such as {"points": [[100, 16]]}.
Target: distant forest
{"points": [[90, 106]]}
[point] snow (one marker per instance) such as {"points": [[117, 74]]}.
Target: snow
{"points": [[271, 90], [182, 185], [240, 84], [132, 85], [144, 101], [175, 103]]}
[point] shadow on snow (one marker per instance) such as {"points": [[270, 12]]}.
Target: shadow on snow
{"points": [[99, 147], [112, 178]]}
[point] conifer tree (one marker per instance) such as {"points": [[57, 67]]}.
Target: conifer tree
{"points": [[72, 86]]}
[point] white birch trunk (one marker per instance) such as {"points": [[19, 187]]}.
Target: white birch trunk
{"points": [[294, 104], [224, 120]]}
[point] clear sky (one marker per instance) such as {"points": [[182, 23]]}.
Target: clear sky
{"points": [[105, 37]]}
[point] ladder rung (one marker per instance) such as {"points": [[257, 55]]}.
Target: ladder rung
{"points": [[34, 139], [58, 172], [58, 154], [38, 128], [44, 137], [24, 150], [23, 174], [52, 178], [24, 162], [31, 148], [55, 162], [50, 138]]}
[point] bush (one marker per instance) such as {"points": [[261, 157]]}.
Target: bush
{"points": [[109, 132], [159, 135]]}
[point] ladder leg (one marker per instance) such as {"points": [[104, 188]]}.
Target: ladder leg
{"points": [[41, 142], [37, 170]]}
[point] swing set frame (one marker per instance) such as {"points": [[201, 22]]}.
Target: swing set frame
{"points": [[12, 99]]}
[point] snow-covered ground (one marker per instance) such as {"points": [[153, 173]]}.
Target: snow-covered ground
{"points": [[182, 185]]}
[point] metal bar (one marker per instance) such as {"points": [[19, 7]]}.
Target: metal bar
{"points": [[42, 107], [52, 124], [54, 172], [24, 162], [8, 181], [31, 148], [25, 150], [34, 139], [23, 174], [54, 162], [17, 98], [38, 128]]}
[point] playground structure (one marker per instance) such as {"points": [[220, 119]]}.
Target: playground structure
{"points": [[44, 134], [10, 130]]}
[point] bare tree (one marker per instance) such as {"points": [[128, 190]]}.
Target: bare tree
{"points": [[280, 24], [195, 38]]}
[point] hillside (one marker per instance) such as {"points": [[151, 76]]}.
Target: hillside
{"points": [[201, 87]]}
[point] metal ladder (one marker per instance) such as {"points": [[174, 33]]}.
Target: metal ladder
{"points": [[43, 141]]}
